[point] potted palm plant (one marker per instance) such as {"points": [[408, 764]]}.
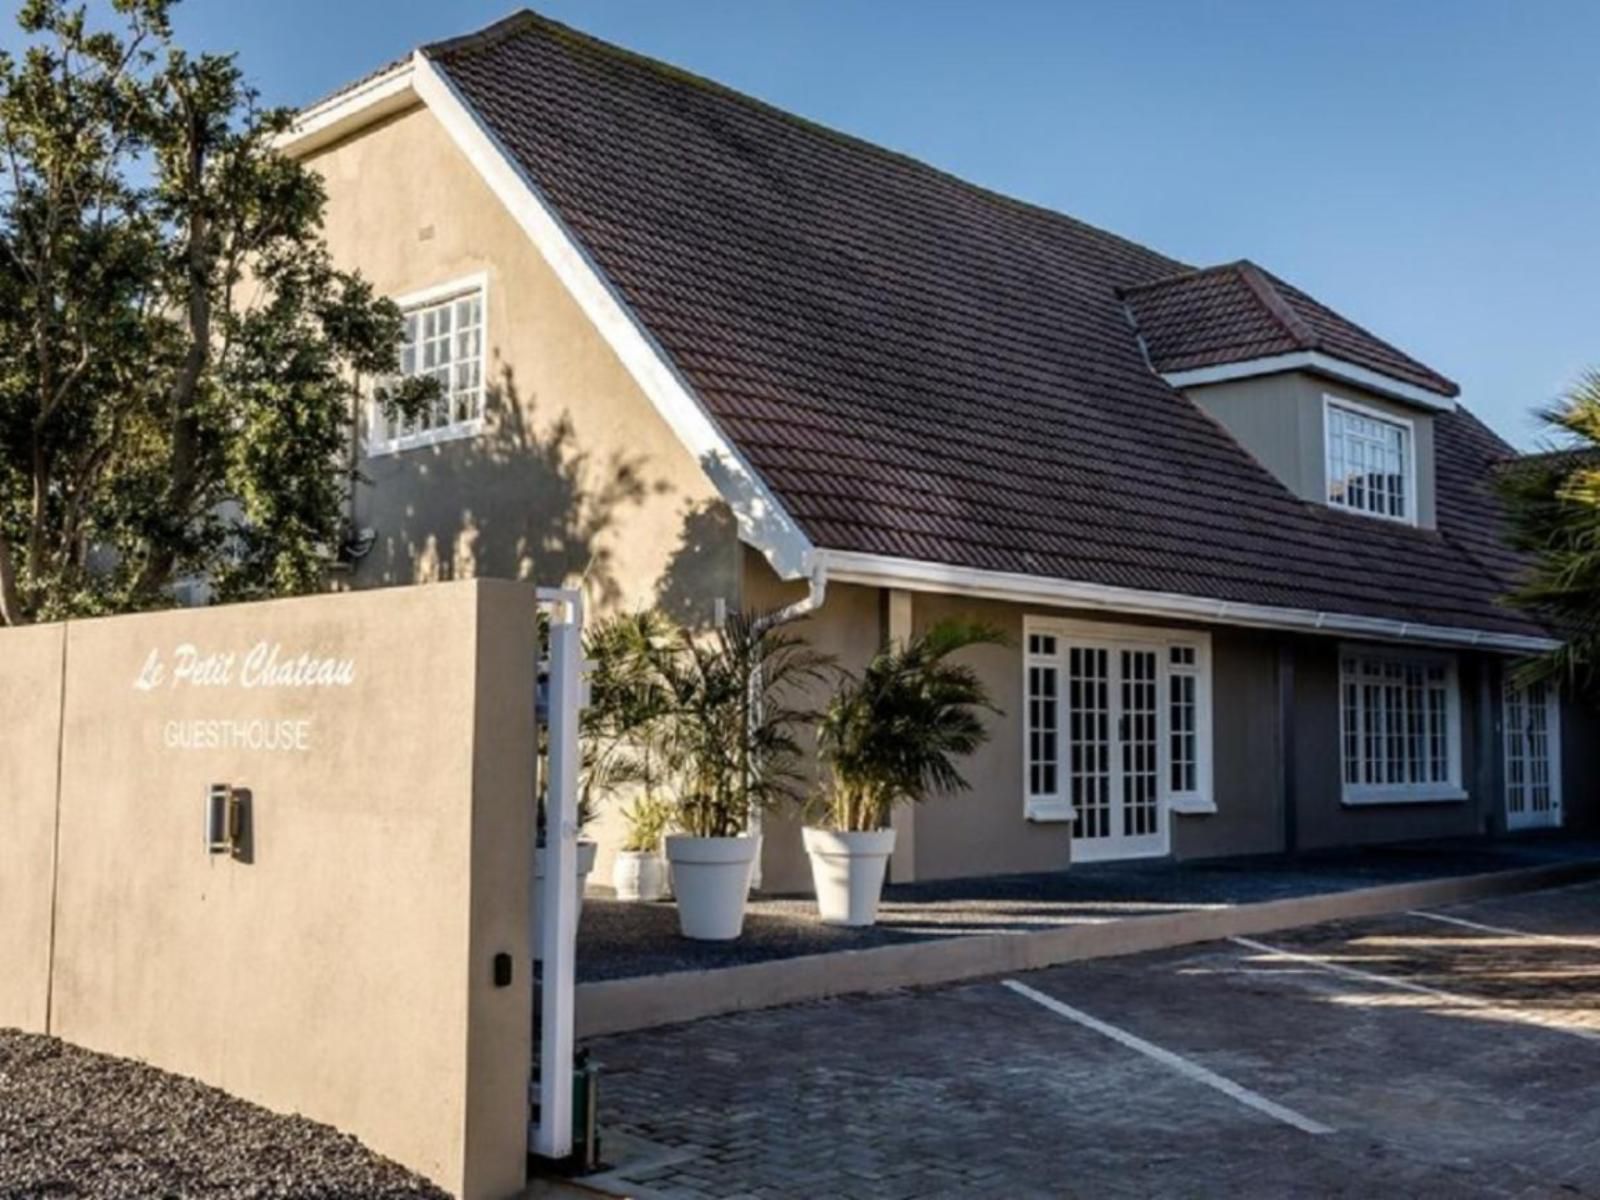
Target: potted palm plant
{"points": [[730, 733], [616, 719], [890, 736], [639, 871]]}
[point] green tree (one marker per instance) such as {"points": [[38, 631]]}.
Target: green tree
{"points": [[1552, 504], [179, 358]]}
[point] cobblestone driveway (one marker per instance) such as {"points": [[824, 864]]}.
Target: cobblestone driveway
{"points": [[1469, 1067]]}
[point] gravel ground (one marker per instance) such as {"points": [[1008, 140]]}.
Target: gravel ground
{"points": [[78, 1124], [618, 940]]}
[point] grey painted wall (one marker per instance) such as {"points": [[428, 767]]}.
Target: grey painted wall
{"points": [[1247, 767], [1324, 820], [1279, 420], [985, 831], [1580, 767]]}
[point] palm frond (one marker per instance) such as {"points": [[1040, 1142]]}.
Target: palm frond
{"points": [[1552, 507], [893, 733]]}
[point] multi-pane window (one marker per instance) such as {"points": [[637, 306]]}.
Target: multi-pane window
{"points": [[1116, 726], [1369, 463], [443, 342], [1089, 739], [1398, 719], [1044, 716], [1183, 719], [1532, 755]]}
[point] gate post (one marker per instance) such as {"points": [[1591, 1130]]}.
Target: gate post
{"points": [[558, 901]]}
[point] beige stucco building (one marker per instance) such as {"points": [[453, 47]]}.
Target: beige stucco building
{"points": [[696, 352]]}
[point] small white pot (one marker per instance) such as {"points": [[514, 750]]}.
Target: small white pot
{"points": [[586, 852], [639, 875], [848, 871], [711, 879]]}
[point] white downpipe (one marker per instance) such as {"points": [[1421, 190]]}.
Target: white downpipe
{"points": [[558, 901], [816, 593]]}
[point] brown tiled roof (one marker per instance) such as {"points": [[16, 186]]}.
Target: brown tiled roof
{"points": [[924, 369], [1238, 312]]}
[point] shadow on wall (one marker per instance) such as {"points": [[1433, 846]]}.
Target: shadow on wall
{"points": [[514, 501], [706, 537], [525, 500]]}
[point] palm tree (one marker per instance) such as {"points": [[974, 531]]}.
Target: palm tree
{"points": [[891, 735], [624, 721], [734, 700], [1552, 504]]}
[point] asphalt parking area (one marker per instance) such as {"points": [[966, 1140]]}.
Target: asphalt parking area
{"points": [[1453, 1053]]}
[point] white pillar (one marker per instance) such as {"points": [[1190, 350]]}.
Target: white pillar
{"points": [[558, 901], [903, 862]]}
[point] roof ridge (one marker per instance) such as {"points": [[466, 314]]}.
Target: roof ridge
{"points": [[506, 26], [495, 31], [1177, 277], [1264, 290]]}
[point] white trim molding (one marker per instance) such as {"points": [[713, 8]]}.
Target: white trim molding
{"points": [[1318, 363], [846, 566], [341, 114], [762, 521]]}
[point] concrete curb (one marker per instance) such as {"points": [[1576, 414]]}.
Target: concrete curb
{"points": [[650, 1001]]}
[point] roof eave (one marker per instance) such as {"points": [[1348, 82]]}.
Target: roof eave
{"points": [[351, 110], [1316, 362], [844, 566]]}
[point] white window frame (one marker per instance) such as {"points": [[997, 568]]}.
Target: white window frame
{"points": [[455, 289], [1057, 806], [1552, 752], [1369, 412], [1450, 790]]}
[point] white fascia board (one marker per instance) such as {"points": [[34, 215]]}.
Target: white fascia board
{"points": [[762, 521], [1317, 362], [350, 110], [845, 566]]}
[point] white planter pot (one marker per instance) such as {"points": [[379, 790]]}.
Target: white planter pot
{"points": [[586, 852], [711, 879], [639, 875], [848, 871]]}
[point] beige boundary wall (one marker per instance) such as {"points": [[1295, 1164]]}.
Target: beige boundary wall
{"points": [[341, 964]]}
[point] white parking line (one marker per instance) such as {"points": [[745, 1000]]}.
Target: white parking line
{"points": [[1583, 943], [1490, 1007], [1177, 1062]]}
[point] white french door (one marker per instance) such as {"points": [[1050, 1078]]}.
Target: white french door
{"points": [[1532, 718], [1113, 770]]}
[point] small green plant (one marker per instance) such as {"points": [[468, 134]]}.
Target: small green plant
{"points": [[647, 820], [891, 734]]}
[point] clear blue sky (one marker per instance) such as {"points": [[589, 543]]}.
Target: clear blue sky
{"points": [[1428, 167]]}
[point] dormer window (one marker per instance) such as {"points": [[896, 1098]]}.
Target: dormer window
{"points": [[1370, 464]]}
